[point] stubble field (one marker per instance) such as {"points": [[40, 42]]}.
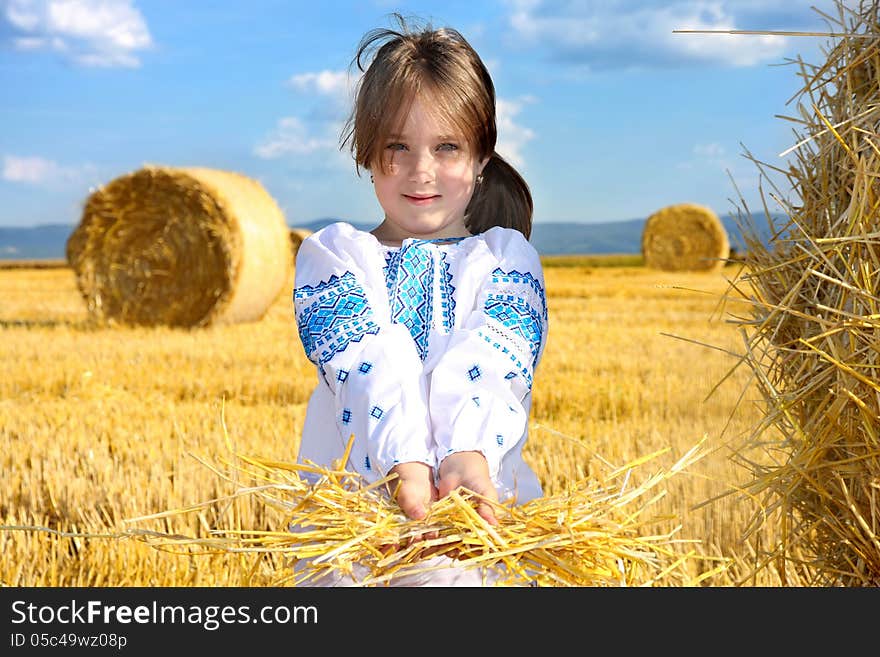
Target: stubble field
{"points": [[102, 425]]}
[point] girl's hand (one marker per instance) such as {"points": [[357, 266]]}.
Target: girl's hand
{"points": [[414, 488], [470, 470]]}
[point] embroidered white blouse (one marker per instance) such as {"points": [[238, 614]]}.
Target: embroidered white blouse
{"points": [[421, 350]]}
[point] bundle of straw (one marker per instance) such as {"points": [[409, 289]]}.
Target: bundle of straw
{"points": [[813, 334], [595, 534], [180, 247], [685, 237]]}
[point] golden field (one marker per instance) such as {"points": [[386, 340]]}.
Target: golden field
{"points": [[101, 425]]}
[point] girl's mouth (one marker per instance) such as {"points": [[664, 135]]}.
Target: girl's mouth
{"points": [[421, 200]]}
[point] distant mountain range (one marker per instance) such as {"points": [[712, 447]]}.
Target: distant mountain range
{"points": [[47, 242]]}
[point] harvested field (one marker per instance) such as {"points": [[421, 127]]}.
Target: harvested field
{"points": [[100, 425]]}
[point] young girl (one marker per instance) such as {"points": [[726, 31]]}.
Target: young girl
{"points": [[426, 331]]}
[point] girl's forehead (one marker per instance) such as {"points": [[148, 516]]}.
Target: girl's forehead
{"points": [[421, 115]]}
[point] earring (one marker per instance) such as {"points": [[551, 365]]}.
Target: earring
{"points": [[480, 179], [371, 178]]}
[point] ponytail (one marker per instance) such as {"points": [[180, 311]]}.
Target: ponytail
{"points": [[502, 199]]}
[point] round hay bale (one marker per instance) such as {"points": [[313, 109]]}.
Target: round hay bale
{"points": [[297, 235], [685, 237], [180, 247]]}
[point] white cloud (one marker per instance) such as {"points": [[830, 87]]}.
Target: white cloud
{"points": [[710, 151], [331, 93], [40, 171], [512, 136], [89, 32], [705, 156], [714, 157], [627, 34], [333, 83], [29, 169], [291, 137]]}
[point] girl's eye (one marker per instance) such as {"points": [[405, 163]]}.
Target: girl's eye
{"points": [[396, 147], [447, 147]]}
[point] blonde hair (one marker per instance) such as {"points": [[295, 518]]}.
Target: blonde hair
{"points": [[406, 62]]}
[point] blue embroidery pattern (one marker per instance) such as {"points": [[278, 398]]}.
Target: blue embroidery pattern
{"points": [[447, 301], [392, 259], [337, 313], [341, 375], [376, 412], [474, 373], [500, 276], [346, 416], [499, 439], [365, 367], [523, 370], [367, 463], [518, 307], [410, 282], [516, 315]]}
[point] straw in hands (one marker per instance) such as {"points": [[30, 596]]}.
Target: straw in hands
{"points": [[592, 535]]}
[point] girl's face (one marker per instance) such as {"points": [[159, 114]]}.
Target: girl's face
{"points": [[428, 181]]}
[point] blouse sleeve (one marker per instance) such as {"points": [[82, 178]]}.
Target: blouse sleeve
{"points": [[370, 365], [478, 386]]}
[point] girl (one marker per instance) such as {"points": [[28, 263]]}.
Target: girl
{"points": [[426, 331]]}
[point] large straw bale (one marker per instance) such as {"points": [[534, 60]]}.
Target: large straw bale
{"points": [[685, 237], [180, 247], [813, 333]]}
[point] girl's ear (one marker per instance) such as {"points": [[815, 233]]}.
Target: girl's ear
{"points": [[483, 164]]}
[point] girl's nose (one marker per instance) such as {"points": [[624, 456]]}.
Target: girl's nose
{"points": [[423, 167]]}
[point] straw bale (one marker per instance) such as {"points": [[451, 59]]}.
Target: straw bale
{"points": [[180, 247], [685, 237], [297, 235], [812, 333]]}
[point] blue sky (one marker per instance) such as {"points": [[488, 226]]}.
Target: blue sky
{"points": [[606, 111]]}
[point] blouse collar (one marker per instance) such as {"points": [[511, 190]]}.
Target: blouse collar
{"points": [[414, 241]]}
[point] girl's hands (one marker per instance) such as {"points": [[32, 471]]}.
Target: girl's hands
{"points": [[470, 470], [414, 487]]}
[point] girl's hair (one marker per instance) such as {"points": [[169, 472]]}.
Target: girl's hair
{"points": [[442, 64]]}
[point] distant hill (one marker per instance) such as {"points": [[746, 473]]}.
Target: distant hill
{"points": [[38, 243], [567, 238], [549, 238], [619, 236]]}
